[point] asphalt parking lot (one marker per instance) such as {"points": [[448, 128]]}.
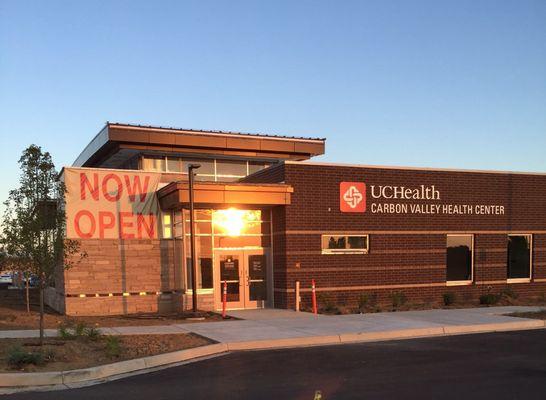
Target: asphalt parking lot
{"points": [[510, 365]]}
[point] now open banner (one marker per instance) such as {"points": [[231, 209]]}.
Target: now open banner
{"points": [[111, 204]]}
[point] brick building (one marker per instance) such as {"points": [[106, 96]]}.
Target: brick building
{"points": [[267, 217]]}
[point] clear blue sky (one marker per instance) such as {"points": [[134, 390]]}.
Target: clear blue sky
{"points": [[424, 83]]}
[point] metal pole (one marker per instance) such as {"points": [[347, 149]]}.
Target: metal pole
{"points": [[191, 167]]}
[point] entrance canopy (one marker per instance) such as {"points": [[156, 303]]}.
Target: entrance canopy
{"points": [[217, 194]]}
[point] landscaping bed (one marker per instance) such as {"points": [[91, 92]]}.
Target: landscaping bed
{"points": [[15, 316], [397, 301], [83, 351]]}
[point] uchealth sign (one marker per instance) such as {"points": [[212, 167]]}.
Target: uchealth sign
{"points": [[421, 199], [111, 204]]}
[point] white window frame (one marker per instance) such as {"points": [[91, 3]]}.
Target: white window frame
{"points": [[521, 280], [345, 251], [471, 280]]}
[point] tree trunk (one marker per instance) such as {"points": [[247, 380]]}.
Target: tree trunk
{"points": [[28, 292], [42, 310]]}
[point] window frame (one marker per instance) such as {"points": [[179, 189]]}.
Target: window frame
{"points": [[346, 250], [214, 176], [467, 281], [520, 280]]}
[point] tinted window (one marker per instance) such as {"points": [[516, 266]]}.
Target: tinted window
{"points": [[173, 164], [459, 258], [204, 273], [206, 166], [256, 166], [519, 256], [234, 168]]}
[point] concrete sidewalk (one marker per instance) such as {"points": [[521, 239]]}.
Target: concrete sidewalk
{"points": [[273, 324], [270, 325]]}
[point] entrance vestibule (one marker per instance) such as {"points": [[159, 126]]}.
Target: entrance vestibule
{"points": [[245, 273]]}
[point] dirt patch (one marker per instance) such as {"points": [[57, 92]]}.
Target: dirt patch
{"points": [[13, 315], [83, 352], [531, 314]]}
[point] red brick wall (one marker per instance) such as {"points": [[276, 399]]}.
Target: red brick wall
{"points": [[407, 251]]}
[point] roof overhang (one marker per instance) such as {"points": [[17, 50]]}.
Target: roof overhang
{"points": [[222, 195], [116, 143]]}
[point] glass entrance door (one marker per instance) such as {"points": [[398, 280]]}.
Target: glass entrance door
{"points": [[245, 272], [256, 275], [230, 266]]}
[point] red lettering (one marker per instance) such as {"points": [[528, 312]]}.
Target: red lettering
{"points": [[149, 227], [107, 220], [125, 224], [132, 190], [77, 218], [119, 191], [93, 189]]}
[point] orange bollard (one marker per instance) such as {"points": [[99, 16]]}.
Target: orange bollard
{"points": [[314, 295], [224, 300]]}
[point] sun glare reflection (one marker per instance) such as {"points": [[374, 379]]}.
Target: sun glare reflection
{"points": [[233, 222]]}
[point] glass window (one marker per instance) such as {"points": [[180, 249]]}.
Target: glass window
{"points": [[206, 166], [254, 166], [173, 164], [345, 244], [204, 273], [178, 225], [167, 225], [153, 163], [519, 257], [459, 258], [230, 168]]}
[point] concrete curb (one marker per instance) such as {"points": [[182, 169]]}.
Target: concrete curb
{"points": [[72, 378], [14, 382]]}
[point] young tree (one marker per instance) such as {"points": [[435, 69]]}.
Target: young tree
{"points": [[33, 233]]}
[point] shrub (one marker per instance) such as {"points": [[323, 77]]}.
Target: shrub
{"points": [[398, 299], [65, 333], [325, 303], [509, 293], [113, 346], [489, 299], [80, 328], [363, 301], [449, 298], [92, 333], [19, 357]]}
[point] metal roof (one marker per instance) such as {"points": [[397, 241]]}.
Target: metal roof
{"points": [[108, 123]]}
